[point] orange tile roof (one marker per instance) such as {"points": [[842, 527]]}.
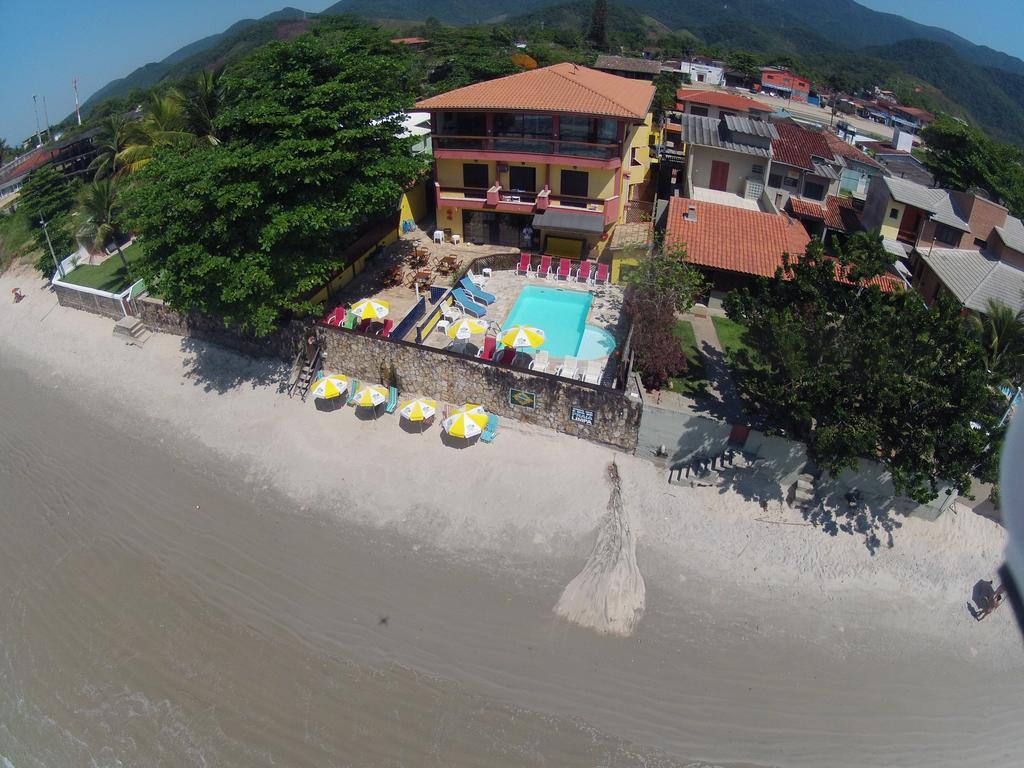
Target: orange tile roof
{"points": [[565, 88], [806, 209], [796, 145], [734, 239], [720, 99], [409, 40], [842, 214], [847, 150]]}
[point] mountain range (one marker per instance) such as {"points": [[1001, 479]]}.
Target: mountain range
{"points": [[988, 85]]}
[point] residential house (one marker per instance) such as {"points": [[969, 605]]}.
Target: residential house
{"points": [[785, 83], [838, 216], [803, 165], [731, 156], [719, 104], [415, 43], [699, 69], [909, 213], [624, 66], [858, 167], [545, 159], [912, 119]]}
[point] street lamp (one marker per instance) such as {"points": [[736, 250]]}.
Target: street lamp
{"points": [[35, 106], [60, 269]]}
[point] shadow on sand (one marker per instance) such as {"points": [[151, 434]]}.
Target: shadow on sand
{"points": [[220, 370]]}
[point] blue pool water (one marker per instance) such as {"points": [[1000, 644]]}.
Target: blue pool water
{"points": [[562, 315]]}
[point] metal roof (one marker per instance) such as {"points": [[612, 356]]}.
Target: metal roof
{"points": [[1012, 233], [628, 64], [976, 277], [937, 202], [826, 170], [708, 132], [569, 221], [753, 127]]}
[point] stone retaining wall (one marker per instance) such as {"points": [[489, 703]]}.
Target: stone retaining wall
{"points": [[88, 302], [281, 344], [458, 379]]}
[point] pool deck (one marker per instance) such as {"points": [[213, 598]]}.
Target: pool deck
{"points": [[605, 312]]}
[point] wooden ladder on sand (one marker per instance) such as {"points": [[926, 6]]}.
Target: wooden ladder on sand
{"points": [[303, 371]]}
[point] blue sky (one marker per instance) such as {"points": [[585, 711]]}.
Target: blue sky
{"points": [[45, 44]]}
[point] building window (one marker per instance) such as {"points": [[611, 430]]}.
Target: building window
{"points": [[814, 190], [522, 179], [757, 170], [724, 114], [523, 125], [575, 183], [946, 234], [775, 180], [475, 176], [700, 111], [589, 130], [894, 213], [789, 182], [464, 123]]}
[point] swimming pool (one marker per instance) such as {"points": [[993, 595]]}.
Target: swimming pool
{"points": [[562, 315]]}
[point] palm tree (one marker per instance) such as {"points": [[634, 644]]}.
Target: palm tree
{"points": [[203, 98], [110, 143], [1001, 333], [162, 124], [98, 206]]}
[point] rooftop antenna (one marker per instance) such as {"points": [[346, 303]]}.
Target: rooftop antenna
{"points": [[35, 107], [46, 117], [74, 87]]}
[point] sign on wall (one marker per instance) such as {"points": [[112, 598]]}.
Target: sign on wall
{"points": [[522, 399], [581, 415]]}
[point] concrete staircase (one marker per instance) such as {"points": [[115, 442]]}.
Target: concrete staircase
{"points": [[132, 331], [803, 495]]}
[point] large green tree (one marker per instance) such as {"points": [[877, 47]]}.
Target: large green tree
{"points": [[598, 34], [862, 373], [309, 152], [48, 196], [1001, 334]]}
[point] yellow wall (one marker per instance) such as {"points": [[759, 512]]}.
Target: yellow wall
{"points": [[891, 227], [414, 203], [619, 261]]}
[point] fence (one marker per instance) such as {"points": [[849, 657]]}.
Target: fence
{"points": [[403, 328], [113, 305]]}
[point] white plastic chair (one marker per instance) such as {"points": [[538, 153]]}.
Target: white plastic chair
{"points": [[593, 373], [569, 368], [438, 236], [540, 362]]}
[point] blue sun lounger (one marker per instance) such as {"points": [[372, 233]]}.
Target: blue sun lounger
{"points": [[491, 430], [392, 400], [353, 387], [481, 296], [468, 305]]}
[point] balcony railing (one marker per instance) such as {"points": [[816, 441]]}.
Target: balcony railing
{"points": [[529, 145]]}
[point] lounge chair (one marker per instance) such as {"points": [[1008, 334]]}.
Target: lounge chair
{"points": [[386, 329], [564, 269], [353, 387], [364, 325], [467, 304], [523, 268], [601, 278], [491, 430], [583, 274], [592, 375], [508, 355], [451, 313], [481, 296], [350, 321], [490, 344], [392, 400], [540, 362], [544, 270], [569, 368]]}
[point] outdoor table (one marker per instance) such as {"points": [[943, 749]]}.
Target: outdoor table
{"points": [[422, 278]]}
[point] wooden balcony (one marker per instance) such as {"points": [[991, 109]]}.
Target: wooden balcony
{"points": [[497, 198], [506, 145]]}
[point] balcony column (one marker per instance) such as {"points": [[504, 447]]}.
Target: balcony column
{"points": [[556, 129], [489, 127]]}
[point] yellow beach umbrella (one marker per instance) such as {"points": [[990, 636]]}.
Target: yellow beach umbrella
{"points": [[370, 396], [522, 336], [467, 421], [370, 309], [330, 386], [466, 327], [419, 409]]}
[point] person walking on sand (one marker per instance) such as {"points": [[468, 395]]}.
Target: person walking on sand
{"points": [[18, 295], [987, 598]]}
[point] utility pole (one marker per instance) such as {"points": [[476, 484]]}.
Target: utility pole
{"points": [[46, 117], [74, 86], [35, 106], [60, 269]]}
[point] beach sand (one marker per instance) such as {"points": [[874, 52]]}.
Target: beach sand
{"points": [[765, 641]]}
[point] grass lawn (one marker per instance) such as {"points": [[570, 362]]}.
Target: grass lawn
{"points": [[109, 276], [730, 334], [694, 381]]}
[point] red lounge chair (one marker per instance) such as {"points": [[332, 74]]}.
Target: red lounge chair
{"points": [[335, 317], [602, 274], [385, 331], [564, 268], [583, 273], [363, 325], [524, 264], [508, 354], [490, 342], [545, 266]]}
